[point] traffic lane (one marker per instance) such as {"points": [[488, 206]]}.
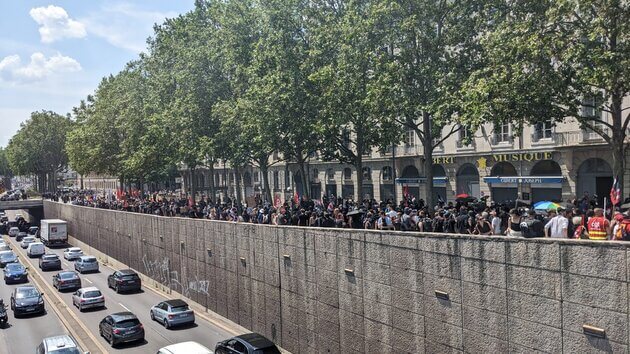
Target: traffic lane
{"points": [[23, 335], [139, 303]]}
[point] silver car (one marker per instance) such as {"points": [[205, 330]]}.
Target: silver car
{"points": [[172, 313], [89, 297], [62, 344], [86, 264]]}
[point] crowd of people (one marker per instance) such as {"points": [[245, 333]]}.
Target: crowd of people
{"points": [[581, 218]]}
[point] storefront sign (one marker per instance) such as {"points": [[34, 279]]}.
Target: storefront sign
{"points": [[444, 160], [524, 180], [523, 156]]}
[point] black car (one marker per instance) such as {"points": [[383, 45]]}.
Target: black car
{"points": [[66, 280], [124, 280], [15, 273], [121, 327], [20, 236], [7, 257], [50, 261], [250, 343], [27, 300]]}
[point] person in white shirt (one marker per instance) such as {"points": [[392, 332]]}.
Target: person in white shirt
{"points": [[558, 225], [496, 223]]}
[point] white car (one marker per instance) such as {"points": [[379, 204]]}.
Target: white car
{"points": [[35, 249], [185, 348], [89, 297], [72, 253], [27, 241]]}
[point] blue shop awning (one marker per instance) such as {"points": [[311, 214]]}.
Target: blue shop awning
{"points": [[524, 179]]}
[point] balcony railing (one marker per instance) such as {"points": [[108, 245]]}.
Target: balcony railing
{"points": [[465, 145], [497, 139], [544, 135]]}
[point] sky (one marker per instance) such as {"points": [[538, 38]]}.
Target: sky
{"points": [[54, 53]]}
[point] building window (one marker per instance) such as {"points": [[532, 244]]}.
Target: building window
{"points": [[315, 174], [256, 177], [276, 180], [347, 173], [543, 130], [410, 137], [367, 174], [330, 175], [501, 133], [346, 139], [387, 173], [217, 179], [591, 108]]}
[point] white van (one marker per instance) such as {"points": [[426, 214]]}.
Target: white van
{"points": [[185, 348], [35, 249]]}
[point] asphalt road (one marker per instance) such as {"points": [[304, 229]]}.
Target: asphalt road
{"points": [[32, 330]]}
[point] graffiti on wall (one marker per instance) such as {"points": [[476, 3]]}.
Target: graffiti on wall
{"points": [[160, 271]]}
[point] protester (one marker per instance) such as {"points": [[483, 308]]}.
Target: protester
{"points": [[558, 226]]}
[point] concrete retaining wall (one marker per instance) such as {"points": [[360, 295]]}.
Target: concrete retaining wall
{"points": [[355, 291]]}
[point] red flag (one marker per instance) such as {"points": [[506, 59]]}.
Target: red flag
{"points": [[615, 192]]}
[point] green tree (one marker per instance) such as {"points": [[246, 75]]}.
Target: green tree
{"points": [[5, 170], [564, 59], [39, 148], [347, 49]]}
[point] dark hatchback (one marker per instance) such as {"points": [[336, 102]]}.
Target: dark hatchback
{"points": [[124, 280], [121, 327], [50, 261], [66, 280], [15, 273], [7, 257], [250, 343], [27, 300]]}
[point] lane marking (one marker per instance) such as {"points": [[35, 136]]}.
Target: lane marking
{"points": [[125, 307], [88, 280]]}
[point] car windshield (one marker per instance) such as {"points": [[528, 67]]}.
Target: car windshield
{"points": [[74, 250], [127, 323], [89, 260], [50, 258], [29, 239], [130, 277], [15, 267], [4, 256], [67, 275], [179, 308], [269, 350], [92, 293], [27, 293]]}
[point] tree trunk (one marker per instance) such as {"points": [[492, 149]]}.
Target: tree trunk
{"points": [[212, 193], [81, 182], [618, 138], [121, 180], [306, 180], [359, 166], [264, 169], [427, 144], [237, 180], [193, 189]]}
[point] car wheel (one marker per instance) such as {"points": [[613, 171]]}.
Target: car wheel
{"points": [[152, 316], [166, 324], [117, 289], [80, 308]]}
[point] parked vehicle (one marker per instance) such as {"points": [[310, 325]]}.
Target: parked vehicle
{"points": [[7, 257], [27, 241], [4, 218], [86, 264], [89, 297], [33, 231], [4, 318], [63, 344], [121, 327], [173, 313], [72, 253], [50, 261], [20, 236], [185, 348], [250, 343], [54, 232], [27, 300], [15, 273], [35, 249], [66, 280], [124, 280], [13, 231], [5, 247]]}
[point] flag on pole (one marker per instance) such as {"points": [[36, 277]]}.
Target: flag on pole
{"points": [[615, 193]]}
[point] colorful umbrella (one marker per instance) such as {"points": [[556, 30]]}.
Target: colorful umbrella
{"points": [[464, 198], [546, 205]]}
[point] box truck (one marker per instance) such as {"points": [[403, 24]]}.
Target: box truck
{"points": [[54, 232]]}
